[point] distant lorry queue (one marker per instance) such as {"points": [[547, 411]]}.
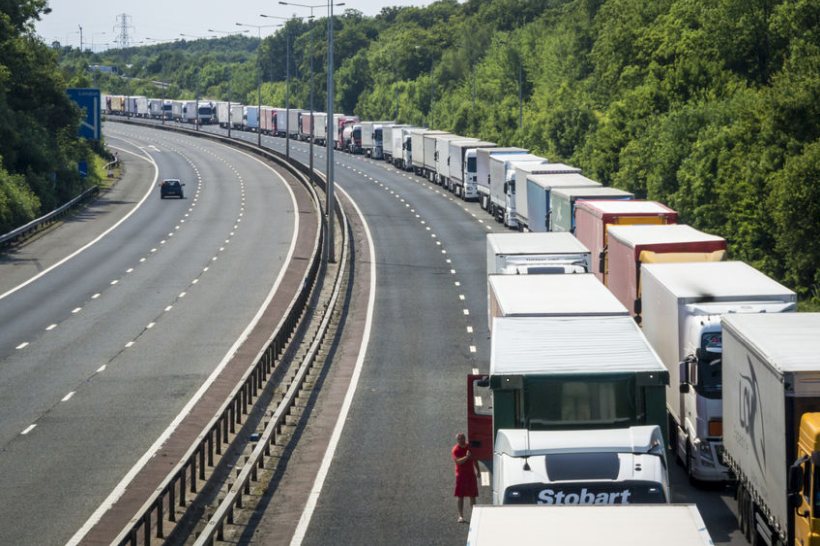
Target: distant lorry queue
{"points": [[618, 337]]}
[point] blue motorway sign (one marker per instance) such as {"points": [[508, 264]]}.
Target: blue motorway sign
{"points": [[89, 101]]}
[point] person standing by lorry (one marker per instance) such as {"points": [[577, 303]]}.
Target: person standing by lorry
{"points": [[467, 473]]}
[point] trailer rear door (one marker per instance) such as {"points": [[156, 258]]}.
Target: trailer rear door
{"points": [[480, 417]]}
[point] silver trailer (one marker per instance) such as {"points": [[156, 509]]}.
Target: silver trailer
{"points": [[237, 115], [293, 122], [391, 138], [417, 138], [430, 150], [539, 188], [320, 128], [771, 415], [521, 187], [483, 170], [502, 185], [461, 171]]}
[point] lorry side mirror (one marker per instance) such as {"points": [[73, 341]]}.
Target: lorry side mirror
{"points": [[601, 258], [684, 388], [796, 478], [683, 372]]}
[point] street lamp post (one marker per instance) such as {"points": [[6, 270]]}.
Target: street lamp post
{"points": [[230, 87], [330, 250], [258, 79], [287, 84]]}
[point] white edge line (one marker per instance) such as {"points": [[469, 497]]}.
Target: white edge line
{"points": [[148, 455], [324, 468], [103, 234]]}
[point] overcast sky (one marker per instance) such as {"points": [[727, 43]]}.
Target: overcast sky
{"points": [[166, 19]]}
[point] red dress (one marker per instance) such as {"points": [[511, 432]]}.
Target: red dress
{"points": [[466, 483]]}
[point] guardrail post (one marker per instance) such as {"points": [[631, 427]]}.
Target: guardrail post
{"points": [[160, 533], [146, 532], [220, 532], [172, 509], [211, 445], [202, 461], [182, 501], [193, 474], [232, 411]]}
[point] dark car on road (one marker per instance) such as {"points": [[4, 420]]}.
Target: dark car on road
{"points": [[171, 186]]}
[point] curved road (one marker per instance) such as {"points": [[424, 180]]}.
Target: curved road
{"points": [[391, 478], [99, 354]]}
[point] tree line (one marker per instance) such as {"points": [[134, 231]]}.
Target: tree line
{"points": [[710, 106]]}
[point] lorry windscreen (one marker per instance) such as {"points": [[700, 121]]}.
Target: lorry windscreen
{"points": [[710, 368], [471, 164], [561, 404], [569, 493]]}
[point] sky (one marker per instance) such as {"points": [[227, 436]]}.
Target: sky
{"points": [[162, 20]]}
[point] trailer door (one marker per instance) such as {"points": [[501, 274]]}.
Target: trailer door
{"points": [[480, 417]]}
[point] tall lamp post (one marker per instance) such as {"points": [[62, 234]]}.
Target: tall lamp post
{"points": [[330, 250], [258, 79], [287, 82], [227, 33]]}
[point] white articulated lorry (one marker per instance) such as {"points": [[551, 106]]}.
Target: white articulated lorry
{"points": [[392, 139], [320, 128], [482, 168], [682, 305], [637, 525], [536, 253], [577, 467], [502, 185], [373, 138], [431, 148], [461, 172], [417, 138], [521, 188], [771, 417], [407, 134], [442, 167]]}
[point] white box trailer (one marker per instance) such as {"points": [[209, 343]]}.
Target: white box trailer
{"points": [[442, 167], [771, 415], [462, 173], [237, 119], [682, 304], [539, 188], [520, 188], [483, 156], [549, 296], [596, 525], [562, 203], [293, 122], [536, 253], [223, 112], [417, 138], [189, 112], [373, 138], [431, 153], [267, 120], [502, 185], [407, 134], [320, 128], [392, 138]]}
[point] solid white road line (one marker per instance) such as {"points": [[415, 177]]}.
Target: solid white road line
{"points": [[324, 468], [103, 234], [68, 396], [28, 429], [120, 488]]}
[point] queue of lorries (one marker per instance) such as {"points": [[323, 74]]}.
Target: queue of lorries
{"points": [[616, 333]]}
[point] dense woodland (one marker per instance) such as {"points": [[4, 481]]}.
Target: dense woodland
{"points": [[39, 149], [710, 106]]}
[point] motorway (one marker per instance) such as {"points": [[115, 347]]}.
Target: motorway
{"points": [[101, 350], [391, 478]]}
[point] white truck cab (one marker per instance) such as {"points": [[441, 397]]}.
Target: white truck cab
{"points": [[571, 467]]}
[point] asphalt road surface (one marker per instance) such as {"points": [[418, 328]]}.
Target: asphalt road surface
{"points": [[391, 479], [99, 353]]}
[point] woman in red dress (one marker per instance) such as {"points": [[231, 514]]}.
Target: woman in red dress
{"points": [[466, 474]]}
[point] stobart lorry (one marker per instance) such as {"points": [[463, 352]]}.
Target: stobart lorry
{"points": [[552, 373], [771, 416], [682, 306]]}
